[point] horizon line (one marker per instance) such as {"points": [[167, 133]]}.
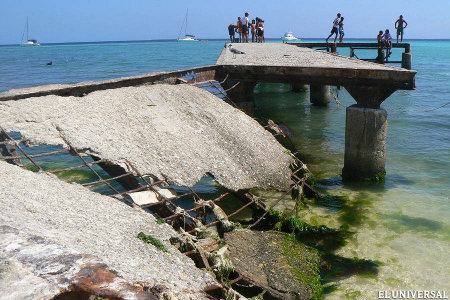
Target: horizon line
{"points": [[205, 39]]}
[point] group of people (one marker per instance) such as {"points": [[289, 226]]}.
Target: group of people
{"points": [[243, 27], [338, 28], [384, 40]]}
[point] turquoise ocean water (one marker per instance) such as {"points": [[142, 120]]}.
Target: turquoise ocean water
{"points": [[403, 224]]}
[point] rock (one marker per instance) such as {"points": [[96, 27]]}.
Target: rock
{"points": [[273, 261]]}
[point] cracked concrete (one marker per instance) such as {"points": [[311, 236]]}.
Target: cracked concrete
{"points": [[176, 132], [84, 222]]}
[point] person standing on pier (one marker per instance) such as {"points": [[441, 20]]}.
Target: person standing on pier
{"points": [[334, 29], [231, 31], [260, 32], [239, 25], [245, 25], [399, 26], [341, 30], [253, 30]]}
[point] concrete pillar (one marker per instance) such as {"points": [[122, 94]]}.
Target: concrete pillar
{"points": [[365, 144], [407, 61], [299, 87], [241, 93], [381, 58], [319, 94]]}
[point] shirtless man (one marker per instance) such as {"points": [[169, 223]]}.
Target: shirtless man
{"points": [[399, 26], [231, 31], [334, 29]]}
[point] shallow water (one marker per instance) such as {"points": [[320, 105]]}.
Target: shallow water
{"points": [[403, 224]]}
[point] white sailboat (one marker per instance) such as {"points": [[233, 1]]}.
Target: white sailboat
{"points": [[187, 37], [29, 42]]}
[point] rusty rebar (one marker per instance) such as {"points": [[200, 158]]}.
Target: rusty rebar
{"points": [[20, 148]]}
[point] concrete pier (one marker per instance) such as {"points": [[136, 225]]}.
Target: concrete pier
{"points": [[367, 82], [407, 61], [319, 94], [365, 144]]}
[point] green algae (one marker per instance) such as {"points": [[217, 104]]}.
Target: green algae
{"points": [[304, 264], [320, 237], [352, 294], [326, 241], [146, 238], [160, 221]]}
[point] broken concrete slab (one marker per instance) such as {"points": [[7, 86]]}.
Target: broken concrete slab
{"points": [[176, 132], [87, 222], [284, 268]]}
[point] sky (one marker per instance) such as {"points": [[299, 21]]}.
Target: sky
{"points": [[56, 21]]}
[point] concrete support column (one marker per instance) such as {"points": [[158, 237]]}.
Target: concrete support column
{"points": [[319, 94], [365, 144], [299, 87], [407, 61], [241, 93]]}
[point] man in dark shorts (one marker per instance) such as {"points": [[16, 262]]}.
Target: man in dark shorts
{"points": [[245, 27], [335, 28], [399, 26], [231, 31]]}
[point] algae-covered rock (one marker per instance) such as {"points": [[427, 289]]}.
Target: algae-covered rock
{"points": [[276, 262]]}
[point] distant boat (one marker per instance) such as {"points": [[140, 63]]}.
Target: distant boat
{"points": [[187, 37], [289, 36], [29, 42]]}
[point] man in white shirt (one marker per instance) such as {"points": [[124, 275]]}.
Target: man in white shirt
{"points": [[335, 28], [245, 25]]}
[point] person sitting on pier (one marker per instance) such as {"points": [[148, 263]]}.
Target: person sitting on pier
{"points": [[334, 29], [387, 40], [341, 30], [231, 31], [239, 25], [399, 26], [380, 39], [380, 42]]}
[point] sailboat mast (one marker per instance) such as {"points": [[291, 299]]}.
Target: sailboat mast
{"points": [[27, 28], [185, 29]]}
